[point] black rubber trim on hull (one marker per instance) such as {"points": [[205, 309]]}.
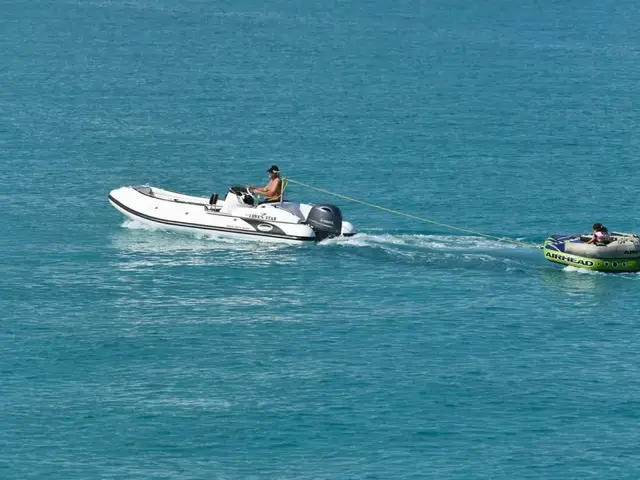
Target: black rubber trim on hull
{"points": [[205, 227]]}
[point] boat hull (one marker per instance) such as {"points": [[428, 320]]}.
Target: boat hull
{"points": [[209, 231], [166, 210]]}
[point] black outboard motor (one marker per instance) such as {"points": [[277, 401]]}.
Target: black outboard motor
{"points": [[326, 221]]}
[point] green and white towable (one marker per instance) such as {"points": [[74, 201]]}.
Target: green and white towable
{"points": [[622, 254]]}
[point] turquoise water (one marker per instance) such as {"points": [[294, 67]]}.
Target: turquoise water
{"points": [[409, 351]]}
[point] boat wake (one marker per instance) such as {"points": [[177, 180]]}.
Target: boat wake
{"points": [[437, 251], [162, 240], [584, 271], [136, 225], [144, 246], [365, 240], [436, 242]]}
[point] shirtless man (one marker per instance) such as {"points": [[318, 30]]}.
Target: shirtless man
{"points": [[273, 191]]}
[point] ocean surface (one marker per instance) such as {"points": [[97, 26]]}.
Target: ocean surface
{"points": [[409, 351]]}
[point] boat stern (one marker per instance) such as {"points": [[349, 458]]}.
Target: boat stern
{"points": [[348, 230]]}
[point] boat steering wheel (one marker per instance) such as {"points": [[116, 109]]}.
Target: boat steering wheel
{"points": [[252, 195]]}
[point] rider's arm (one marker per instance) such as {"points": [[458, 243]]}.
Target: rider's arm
{"points": [[271, 189]]}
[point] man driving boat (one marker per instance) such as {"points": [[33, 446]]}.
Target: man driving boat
{"points": [[272, 192]]}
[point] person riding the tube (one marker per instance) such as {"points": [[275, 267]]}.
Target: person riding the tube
{"points": [[272, 192], [600, 235]]}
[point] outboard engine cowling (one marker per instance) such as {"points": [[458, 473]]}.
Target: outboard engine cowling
{"points": [[326, 221]]}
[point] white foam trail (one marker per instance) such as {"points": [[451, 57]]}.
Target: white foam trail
{"points": [[140, 248], [172, 242], [583, 271], [137, 225], [434, 242], [173, 249]]}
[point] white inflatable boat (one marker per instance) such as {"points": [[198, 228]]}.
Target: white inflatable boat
{"points": [[239, 215]]}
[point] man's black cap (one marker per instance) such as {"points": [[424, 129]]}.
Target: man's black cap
{"points": [[273, 169]]}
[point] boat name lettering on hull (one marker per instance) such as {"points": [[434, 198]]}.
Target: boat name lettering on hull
{"points": [[566, 258], [261, 217]]}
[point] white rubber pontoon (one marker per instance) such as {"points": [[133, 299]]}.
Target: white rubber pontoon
{"points": [[237, 216]]}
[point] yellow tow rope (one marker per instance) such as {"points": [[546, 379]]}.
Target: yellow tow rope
{"points": [[422, 219]]}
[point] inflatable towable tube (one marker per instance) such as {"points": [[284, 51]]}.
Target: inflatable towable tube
{"points": [[622, 254]]}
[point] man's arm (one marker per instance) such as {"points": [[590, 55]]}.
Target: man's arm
{"points": [[259, 190], [271, 189]]}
